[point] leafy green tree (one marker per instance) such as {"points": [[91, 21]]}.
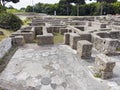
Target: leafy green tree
{"points": [[78, 3], [10, 21], [108, 1], [29, 9], [65, 6]]}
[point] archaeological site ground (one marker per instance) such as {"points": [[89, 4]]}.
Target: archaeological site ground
{"points": [[86, 58]]}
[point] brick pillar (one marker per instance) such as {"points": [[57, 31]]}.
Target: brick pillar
{"points": [[84, 49]]}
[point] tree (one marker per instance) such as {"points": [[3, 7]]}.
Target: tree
{"points": [[3, 2], [77, 2], [29, 9], [108, 1], [64, 6]]}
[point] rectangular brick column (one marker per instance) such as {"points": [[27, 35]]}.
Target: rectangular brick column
{"points": [[84, 49], [18, 41], [104, 66], [73, 40]]}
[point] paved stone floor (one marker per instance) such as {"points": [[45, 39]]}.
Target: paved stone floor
{"points": [[48, 68]]}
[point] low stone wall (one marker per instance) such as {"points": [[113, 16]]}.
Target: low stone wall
{"points": [[54, 29], [99, 25], [5, 46], [105, 45], [45, 39]]}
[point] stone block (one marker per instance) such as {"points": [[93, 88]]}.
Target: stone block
{"points": [[84, 49], [56, 29], [38, 30], [63, 30], [73, 40], [50, 29], [67, 38], [103, 34], [105, 65], [29, 37], [85, 36], [18, 41], [106, 75], [102, 25], [115, 34], [110, 46], [45, 39]]}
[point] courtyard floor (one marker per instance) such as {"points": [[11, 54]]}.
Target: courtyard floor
{"points": [[51, 67]]}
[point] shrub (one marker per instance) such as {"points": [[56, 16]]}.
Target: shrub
{"points": [[10, 21], [2, 9]]}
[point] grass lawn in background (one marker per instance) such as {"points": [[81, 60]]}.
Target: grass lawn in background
{"points": [[58, 38], [6, 33]]}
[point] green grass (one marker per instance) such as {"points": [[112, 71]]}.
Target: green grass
{"points": [[118, 49], [58, 38], [1, 89], [26, 21], [6, 33]]}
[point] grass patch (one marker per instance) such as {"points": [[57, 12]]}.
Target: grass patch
{"points": [[118, 49], [58, 38], [26, 21], [1, 88], [6, 33]]}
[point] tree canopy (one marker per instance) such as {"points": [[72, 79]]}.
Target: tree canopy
{"points": [[108, 1]]}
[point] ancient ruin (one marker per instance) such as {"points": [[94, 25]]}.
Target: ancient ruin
{"points": [[87, 60]]}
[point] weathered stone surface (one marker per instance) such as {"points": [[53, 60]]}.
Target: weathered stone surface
{"points": [[85, 36], [84, 49], [5, 46], [110, 46], [63, 30], [45, 39], [67, 38], [28, 36], [105, 45], [45, 81], [73, 40], [106, 75], [103, 34], [105, 65], [38, 30], [18, 41], [54, 85], [31, 63], [115, 34]]}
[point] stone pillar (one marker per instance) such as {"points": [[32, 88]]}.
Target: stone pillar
{"points": [[45, 39], [104, 66], [67, 38], [73, 40], [18, 41], [84, 49]]}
